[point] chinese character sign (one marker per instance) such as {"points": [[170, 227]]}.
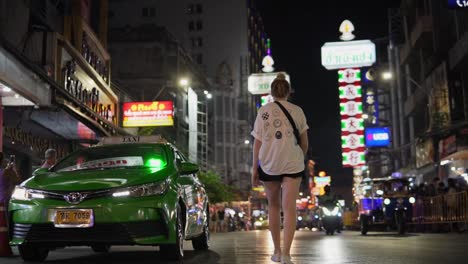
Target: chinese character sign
{"points": [[352, 123]]}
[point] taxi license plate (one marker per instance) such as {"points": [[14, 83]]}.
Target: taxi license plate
{"points": [[74, 218]]}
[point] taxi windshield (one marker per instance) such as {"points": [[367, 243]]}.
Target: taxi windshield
{"points": [[118, 156]]}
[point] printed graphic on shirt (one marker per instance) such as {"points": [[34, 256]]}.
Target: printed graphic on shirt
{"points": [[276, 112], [277, 123], [266, 126], [278, 135], [289, 133], [265, 116], [268, 136]]}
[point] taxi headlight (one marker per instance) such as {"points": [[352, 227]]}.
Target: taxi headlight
{"points": [[149, 189], [24, 194]]}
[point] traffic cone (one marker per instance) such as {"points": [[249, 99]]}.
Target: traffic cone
{"points": [[5, 249]]}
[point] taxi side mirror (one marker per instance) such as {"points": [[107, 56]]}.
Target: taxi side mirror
{"points": [[188, 168]]}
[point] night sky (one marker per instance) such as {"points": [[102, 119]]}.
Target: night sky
{"points": [[297, 32]]}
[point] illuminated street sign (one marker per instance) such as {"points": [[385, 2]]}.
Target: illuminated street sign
{"points": [[260, 83], [377, 136], [349, 54], [352, 124], [144, 114]]}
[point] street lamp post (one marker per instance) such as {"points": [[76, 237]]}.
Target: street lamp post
{"points": [[427, 93]]}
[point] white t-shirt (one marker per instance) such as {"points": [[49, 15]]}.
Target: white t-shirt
{"points": [[279, 153]]}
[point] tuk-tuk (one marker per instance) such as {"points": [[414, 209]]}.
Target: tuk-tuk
{"points": [[387, 203]]}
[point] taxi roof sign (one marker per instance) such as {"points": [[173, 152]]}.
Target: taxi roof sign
{"points": [[131, 139]]}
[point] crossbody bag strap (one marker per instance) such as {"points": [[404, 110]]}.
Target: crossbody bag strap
{"points": [[296, 132]]}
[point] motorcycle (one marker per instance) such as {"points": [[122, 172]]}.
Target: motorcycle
{"points": [[331, 218]]}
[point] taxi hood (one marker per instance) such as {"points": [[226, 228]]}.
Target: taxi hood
{"points": [[96, 179]]}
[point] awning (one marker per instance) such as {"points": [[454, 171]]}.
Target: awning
{"points": [[459, 155]]}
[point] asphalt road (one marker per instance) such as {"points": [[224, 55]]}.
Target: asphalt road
{"points": [[309, 247]]}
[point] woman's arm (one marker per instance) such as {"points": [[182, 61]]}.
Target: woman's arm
{"points": [[256, 150], [304, 142], [255, 180]]}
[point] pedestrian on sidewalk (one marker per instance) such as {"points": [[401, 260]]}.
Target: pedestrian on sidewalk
{"points": [[220, 223], [281, 141], [8, 178]]}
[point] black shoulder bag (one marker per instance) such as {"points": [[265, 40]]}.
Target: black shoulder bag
{"points": [[295, 131]]}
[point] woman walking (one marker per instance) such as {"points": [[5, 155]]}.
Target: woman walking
{"points": [[281, 141]]}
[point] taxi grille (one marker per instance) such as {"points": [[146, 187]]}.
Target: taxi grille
{"points": [[114, 233]]}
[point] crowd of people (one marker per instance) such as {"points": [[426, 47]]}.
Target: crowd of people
{"points": [[438, 187], [225, 220]]}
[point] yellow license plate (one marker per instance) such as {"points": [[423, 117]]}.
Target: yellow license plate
{"points": [[74, 218]]}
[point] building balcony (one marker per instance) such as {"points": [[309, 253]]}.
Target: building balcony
{"points": [[458, 58], [419, 35]]}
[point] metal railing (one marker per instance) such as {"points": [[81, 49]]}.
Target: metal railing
{"points": [[447, 208]]}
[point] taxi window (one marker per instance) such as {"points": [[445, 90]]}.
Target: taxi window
{"points": [[119, 156]]}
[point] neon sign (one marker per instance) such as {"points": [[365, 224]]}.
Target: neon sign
{"points": [[377, 137]]}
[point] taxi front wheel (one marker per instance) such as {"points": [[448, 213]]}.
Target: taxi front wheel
{"points": [[175, 251], [33, 253], [203, 241]]}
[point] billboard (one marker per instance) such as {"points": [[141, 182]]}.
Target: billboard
{"points": [[348, 54], [377, 137], [147, 114], [260, 83]]}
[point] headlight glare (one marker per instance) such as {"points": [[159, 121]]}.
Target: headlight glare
{"points": [[387, 201], [24, 194], [412, 200], [20, 193], [149, 189]]}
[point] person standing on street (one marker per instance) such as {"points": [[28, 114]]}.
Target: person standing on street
{"points": [[221, 215], [281, 141], [50, 158], [8, 178]]}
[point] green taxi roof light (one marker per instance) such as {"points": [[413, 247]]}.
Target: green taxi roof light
{"points": [[155, 163]]}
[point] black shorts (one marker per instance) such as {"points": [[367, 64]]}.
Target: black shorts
{"points": [[279, 178]]}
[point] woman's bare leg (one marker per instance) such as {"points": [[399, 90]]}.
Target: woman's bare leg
{"points": [[290, 190], [273, 193]]}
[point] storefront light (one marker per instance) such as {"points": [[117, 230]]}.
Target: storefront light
{"points": [[444, 162]]}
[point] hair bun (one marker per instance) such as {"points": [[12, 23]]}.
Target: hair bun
{"points": [[281, 76]]}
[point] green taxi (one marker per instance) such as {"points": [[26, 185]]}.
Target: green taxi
{"points": [[124, 191]]}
